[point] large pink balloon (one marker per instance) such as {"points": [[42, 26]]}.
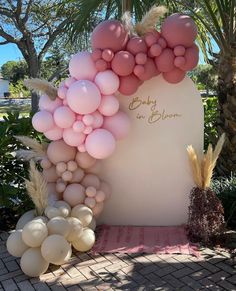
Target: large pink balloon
{"points": [[174, 76], [123, 63], [191, 57], [109, 105], [100, 144], [82, 66], [129, 84], [109, 34], [108, 82], [54, 134], [136, 45], [45, 103], [165, 62], [43, 121], [64, 117], [118, 125], [179, 29], [84, 96], [59, 151], [73, 138]]}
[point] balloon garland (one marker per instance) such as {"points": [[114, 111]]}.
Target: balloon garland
{"points": [[83, 124]]}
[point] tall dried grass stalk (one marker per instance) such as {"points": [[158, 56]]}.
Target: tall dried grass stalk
{"points": [[126, 20], [43, 86], [150, 20], [37, 188]]}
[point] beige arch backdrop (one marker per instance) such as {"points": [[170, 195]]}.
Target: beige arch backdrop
{"points": [[149, 171]]}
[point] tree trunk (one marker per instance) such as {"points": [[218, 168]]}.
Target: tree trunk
{"points": [[126, 5], [227, 110], [34, 72]]}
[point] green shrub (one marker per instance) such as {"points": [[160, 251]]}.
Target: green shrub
{"points": [[225, 188], [210, 116]]}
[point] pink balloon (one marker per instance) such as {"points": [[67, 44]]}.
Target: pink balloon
{"points": [[64, 117], [179, 50], [162, 42], [141, 58], [97, 209], [109, 34], [100, 144], [129, 84], [151, 38], [150, 70], [101, 65], [165, 62], [179, 61], [59, 151], [109, 105], [50, 174], [61, 92], [96, 54], [88, 119], [174, 76], [73, 138], [107, 82], [78, 126], [118, 125], [74, 194], [45, 103], [98, 119], [155, 50], [107, 55], [43, 121], [123, 63], [136, 45], [82, 66], [179, 29], [69, 81], [83, 96], [55, 133], [139, 70], [91, 180], [191, 56]]}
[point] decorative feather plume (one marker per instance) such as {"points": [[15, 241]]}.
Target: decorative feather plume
{"points": [[126, 20], [37, 188], [43, 86], [27, 155], [150, 19], [195, 165]]}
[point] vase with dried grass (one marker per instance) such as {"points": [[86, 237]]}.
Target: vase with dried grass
{"points": [[206, 214]]}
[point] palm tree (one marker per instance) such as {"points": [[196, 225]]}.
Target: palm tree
{"points": [[216, 23]]}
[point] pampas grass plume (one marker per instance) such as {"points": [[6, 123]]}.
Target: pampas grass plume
{"points": [[43, 86]]}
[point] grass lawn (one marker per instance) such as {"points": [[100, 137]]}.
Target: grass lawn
{"points": [[21, 105]]}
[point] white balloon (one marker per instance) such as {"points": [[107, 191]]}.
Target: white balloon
{"points": [[15, 245], [76, 228], [25, 218], [83, 213], [58, 225], [85, 242], [34, 233]]}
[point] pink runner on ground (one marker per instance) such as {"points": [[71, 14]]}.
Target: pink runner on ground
{"points": [[144, 239]]}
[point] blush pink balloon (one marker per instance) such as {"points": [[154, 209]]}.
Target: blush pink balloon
{"points": [[151, 38], [123, 63], [101, 65], [109, 105], [97, 209], [162, 42], [59, 151], [64, 117], [42, 121], [139, 70], [150, 70], [179, 50], [107, 55], [165, 62], [136, 45], [179, 61], [155, 50], [179, 29], [45, 103], [61, 92], [100, 144], [55, 133], [129, 85], [74, 194], [107, 82], [82, 66], [69, 81], [191, 57], [141, 58], [73, 138], [96, 54], [109, 34], [174, 76], [84, 96], [78, 126], [118, 125], [98, 119]]}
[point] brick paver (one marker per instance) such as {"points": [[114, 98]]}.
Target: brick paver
{"points": [[213, 271]]}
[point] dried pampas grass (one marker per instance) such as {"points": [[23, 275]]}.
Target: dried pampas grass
{"points": [[150, 19], [43, 86], [37, 189], [126, 20], [202, 169]]}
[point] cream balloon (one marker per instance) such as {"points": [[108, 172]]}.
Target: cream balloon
{"points": [[25, 218], [51, 212], [92, 224], [83, 213], [58, 225], [61, 203], [42, 219], [85, 242], [76, 228], [15, 245], [34, 233]]}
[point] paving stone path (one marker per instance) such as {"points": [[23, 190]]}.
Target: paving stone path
{"points": [[213, 271]]}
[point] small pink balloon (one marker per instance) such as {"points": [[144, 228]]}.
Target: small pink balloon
{"points": [[136, 45], [101, 65], [91, 191], [81, 148], [88, 130], [98, 119], [100, 196], [150, 70], [61, 92], [100, 144], [72, 166], [174, 76], [107, 55], [141, 58], [165, 62], [67, 176], [79, 117], [84, 160], [45, 103], [109, 34], [69, 81], [64, 117], [162, 42], [60, 187], [151, 38], [77, 176], [45, 163], [91, 180], [61, 167], [123, 63], [74, 194], [97, 209], [42, 121], [129, 84], [155, 50], [179, 61], [73, 138], [107, 82], [55, 133], [109, 105], [179, 50], [118, 125], [50, 174], [191, 56], [82, 66], [179, 29], [90, 202], [78, 126], [84, 96], [88, 119], [139, 70], [96, 54], [59, 151]]}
